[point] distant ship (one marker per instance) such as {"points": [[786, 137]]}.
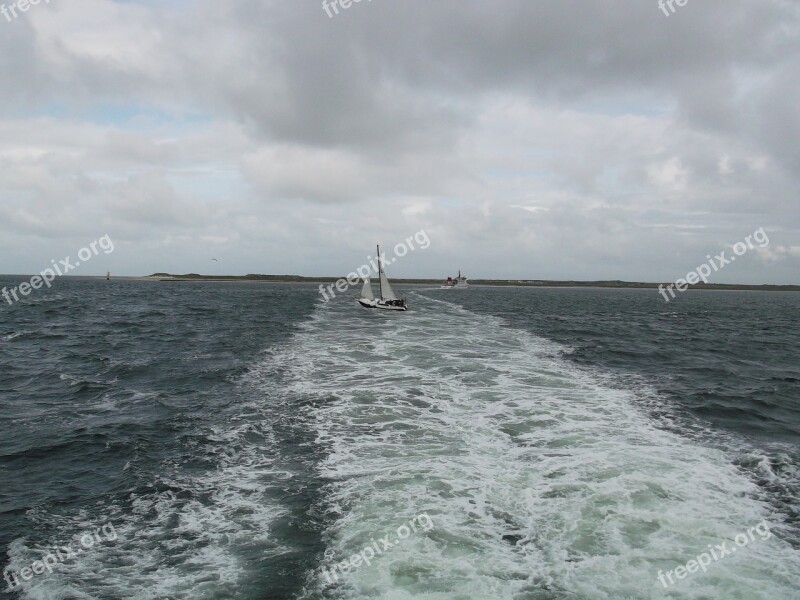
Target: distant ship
{"points": [[108, 276], [455, 282]]}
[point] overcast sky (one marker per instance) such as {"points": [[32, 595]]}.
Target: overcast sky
{"points": [[530, 139]]}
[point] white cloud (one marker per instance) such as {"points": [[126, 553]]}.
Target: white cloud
{"points": [[527, 142]]}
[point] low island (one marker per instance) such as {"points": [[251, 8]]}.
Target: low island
{"points": [[472, 282]]}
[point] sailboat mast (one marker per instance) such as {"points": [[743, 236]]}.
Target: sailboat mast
{"points": [[380, 272]]}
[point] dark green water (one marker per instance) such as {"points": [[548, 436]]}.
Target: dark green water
{"points": [[243, 437]]}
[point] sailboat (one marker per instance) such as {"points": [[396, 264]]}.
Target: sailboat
{"points": [[387, 299]]}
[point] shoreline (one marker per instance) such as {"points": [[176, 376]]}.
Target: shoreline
{"points": [[436, 283], [609, 284]]}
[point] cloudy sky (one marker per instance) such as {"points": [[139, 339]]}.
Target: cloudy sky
{"points": [[530, 139]]}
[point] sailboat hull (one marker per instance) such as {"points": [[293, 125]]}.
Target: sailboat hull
{"points": [[380, 305]]}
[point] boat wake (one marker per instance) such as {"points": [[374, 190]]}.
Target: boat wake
{"points": [[541, 482]]}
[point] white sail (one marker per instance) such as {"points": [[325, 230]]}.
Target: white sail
{"points": [[387, 293], [366, 291]]}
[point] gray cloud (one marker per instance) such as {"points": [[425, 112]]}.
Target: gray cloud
{"points": [[530, 138]]}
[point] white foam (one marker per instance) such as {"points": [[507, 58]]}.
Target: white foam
{"points": [[541, 481], [14, 336], [187, 538]]}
